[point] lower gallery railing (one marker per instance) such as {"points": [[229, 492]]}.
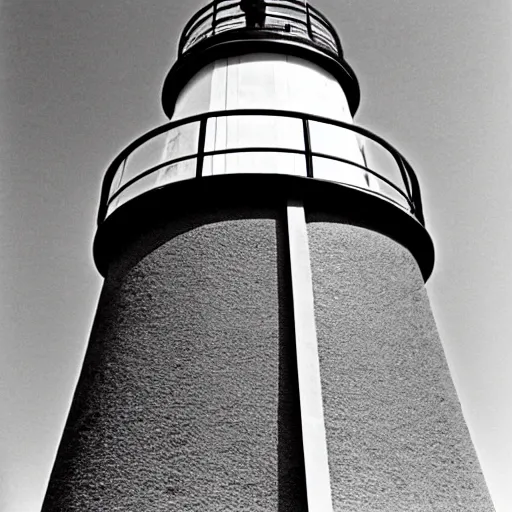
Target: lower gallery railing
{"points": [[260, 142]]}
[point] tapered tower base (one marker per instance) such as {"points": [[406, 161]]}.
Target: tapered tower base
{"points": [[188, 398]]}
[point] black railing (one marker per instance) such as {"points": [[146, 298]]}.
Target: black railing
{"points": [[295, 17], [131, 166]]}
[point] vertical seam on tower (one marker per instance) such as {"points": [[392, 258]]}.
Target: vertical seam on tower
{"points": [[314, 439]]}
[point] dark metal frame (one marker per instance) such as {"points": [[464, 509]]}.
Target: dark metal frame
{"points": [[324, 35], [410, 191]]}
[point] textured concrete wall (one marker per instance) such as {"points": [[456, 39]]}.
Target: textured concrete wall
{"points": [[396, 437], [188, 398]]}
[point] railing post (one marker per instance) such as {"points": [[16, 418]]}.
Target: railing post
{"points": [[403, 172], [413, 190], [106, 192], [307, 147], [308, 21], [200, 147], [214, 19]]}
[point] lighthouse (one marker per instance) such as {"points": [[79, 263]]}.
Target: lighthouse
{"points": [[263, 339]]}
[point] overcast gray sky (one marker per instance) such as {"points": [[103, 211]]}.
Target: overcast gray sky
{"points": [[80, 80]]}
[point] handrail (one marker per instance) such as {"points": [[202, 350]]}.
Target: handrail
{"points": [[410, 191], [194, 30], [250, 149]]}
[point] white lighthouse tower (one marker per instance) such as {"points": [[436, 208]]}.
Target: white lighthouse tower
{"points": [[263, 340]]}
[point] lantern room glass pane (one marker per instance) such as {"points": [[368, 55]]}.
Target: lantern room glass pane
{"points": [[321, 34], [286, 18], [226, 12], [201, 29], [229, 17]]}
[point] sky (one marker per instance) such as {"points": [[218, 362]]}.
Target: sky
{"points": [[80, 80]]}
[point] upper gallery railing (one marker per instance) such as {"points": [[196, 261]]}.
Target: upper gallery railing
{"points": [[293, 17], [313, 147]]}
